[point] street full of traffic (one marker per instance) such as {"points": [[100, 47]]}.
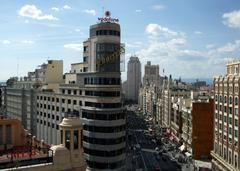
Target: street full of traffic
{"points": [[149, 150]]}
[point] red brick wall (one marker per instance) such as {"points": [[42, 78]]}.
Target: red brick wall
{"points": [[202, 128]]}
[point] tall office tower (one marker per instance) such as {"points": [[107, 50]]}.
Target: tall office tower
{"points": [[133, 78], [226, 119], [151, 75], [104, 119]]}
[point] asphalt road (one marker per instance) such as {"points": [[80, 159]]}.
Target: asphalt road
{"points": [[143, 156]]}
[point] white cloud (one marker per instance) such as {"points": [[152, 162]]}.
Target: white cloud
{"points": [[134, 45], [6, 42], [55, 9], [31, 11], [198, 32], [27, 41], [138, 10], [230, 47], [66, 7], [74, 46], [159, 7], [77, 30], [90, 11], [156, 30], [232, 19]]}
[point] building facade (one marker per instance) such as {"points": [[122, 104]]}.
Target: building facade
{"points": [[151, 75], [226, 119], [21, 105], [197, 122], [21, 96], [103, 116], [92, 89], [133, 79]]}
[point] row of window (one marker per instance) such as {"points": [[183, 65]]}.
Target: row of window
{"points": [[227, 109], [102, 141], [63, 111], [104, 153], [226, 99], [111, 166], [225, 88], [103, 93], [103, 105], [227, 155], [107, 32], [230, 131], [49, 116], [69, 101], [97, 116], [73, 92], [48, 124], [102, 129], [102, 81]]}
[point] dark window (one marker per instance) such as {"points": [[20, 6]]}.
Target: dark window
{"points": [[67, 138], [103, 141], [104, 129], [85, 49], [75, 139], [61, 132]]}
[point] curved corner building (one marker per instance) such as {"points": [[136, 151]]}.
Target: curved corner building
{"points": [[103, 115]]}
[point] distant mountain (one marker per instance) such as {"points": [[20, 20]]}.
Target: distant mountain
{"points": [[193, 80]]}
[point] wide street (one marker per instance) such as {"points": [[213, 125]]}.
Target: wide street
{"points": [[145, 152]]}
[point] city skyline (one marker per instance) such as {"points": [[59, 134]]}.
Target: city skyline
{"points": [[163, 32]]}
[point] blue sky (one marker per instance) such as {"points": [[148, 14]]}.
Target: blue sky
{"points": [[187, 38]]}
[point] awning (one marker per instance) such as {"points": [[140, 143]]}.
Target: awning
{"points": [[182, 147], [188, 154]]}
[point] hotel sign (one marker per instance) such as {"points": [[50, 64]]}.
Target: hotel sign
{"points": [[108, 19]]}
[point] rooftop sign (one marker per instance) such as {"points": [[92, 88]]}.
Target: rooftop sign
{"points": [[108, 19]]}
